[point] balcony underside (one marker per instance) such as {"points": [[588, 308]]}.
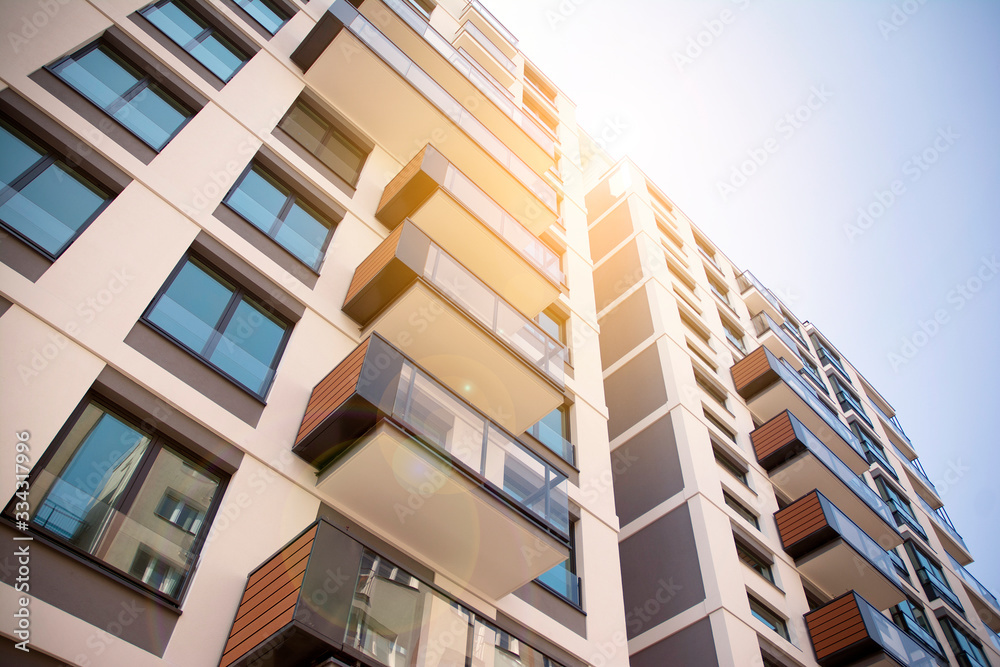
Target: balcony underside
{"points": [[757, 302], [484, 58], [346, 67], [413, 497], [837, 568], [779, 348], [460, 354]]}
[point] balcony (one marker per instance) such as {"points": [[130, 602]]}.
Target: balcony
{"points": [[921, 482], [413, 293], [848, 402], [757, 297], [895, 431], [328, 596], [850, 631], [829, 359], [476, 13], [485, 53], [775, 339], [834, 553], [345, 53], [770, 386], [404, 455], [986, 604], [473, 228], [946, 532], [873, 450], [798, 462]]}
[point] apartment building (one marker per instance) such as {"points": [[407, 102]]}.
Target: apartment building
{"points": [[330, 339]]}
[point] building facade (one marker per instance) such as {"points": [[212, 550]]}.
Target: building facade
{"points": [[330, 339]]}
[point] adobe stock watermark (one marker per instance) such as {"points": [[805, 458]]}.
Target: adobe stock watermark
{"points": [[712, 29], [958, 297], [900, 16], [33, 21], [562, 12], [786, 127], [913, 169]]}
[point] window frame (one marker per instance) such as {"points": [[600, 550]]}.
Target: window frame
{"points": [[282, 7], [146, 81], [290, 200], [733, 503], [210, 29], [157, 443], [745, 552], [239, 292], [336, 125], [729, 464], [762, 611], [27, 177]]}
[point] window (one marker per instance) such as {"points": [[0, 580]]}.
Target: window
{"points": [[874, 451], [901, 509], [180, 511], [718, 423], [740, 509], [99, 491], [562, 579], [701, 357], [123, 92], [720, 291], [552, 324], [268, 14], [278, 212], [327, 142], [43, 200], [910, 616], [731, 466], [707, 250], [715, 392], [219, 322], [849, 400], [552, 430], [734, 335], [697, 328], [963, 645], [767, 617], [753, 560], [423, 6], [932, 577], [175, 20]]}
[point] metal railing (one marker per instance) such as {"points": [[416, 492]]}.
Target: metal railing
{"points": [[975, 584]]}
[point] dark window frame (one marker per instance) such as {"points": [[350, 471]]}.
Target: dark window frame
{"points": [[744, 512], [239, 291], [777, 623], [50, 158], [292, 197], [158, 442], [336, 125], [746, 552]]}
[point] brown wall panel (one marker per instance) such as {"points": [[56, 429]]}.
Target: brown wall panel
{"points": [[750, 368], [333, 390], [772, 436], [800, 519], [374, 263], [404, 175], [836, 626]]}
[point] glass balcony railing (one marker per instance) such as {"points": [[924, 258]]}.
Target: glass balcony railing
{"points": [[910, 625], [904, 517], [846, 475], [917, 470], [937, 588], [393, 56], [828, 359], [975, 585], [554, 440], [807, 394], [795, 333], [898, 562], [994, 637], [763, 323], [490, 47], [849, 402], [487, 85], [496, 315], [562, 582], [447, 422], [812, 374], [529, 246], [494, 21], [858, 539], [942, 519], [398, 620], [892, 422], [746, 280]]}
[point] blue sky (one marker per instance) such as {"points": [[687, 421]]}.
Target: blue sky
{"points": [[847, 152]]}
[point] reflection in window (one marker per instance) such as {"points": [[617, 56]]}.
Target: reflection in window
{"points": [[325, 141], [268, 14], [186, 29]]}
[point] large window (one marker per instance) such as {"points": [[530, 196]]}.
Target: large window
{"points": [[42, 199], [325, 141], [963, 645], [562, 579], [125, 93], [218, 321], [278, 212], [100, 491], [197, 37]]}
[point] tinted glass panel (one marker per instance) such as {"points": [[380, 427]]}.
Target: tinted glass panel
{"points": [[218, 55], [327, 143], [302, 234], [192, 306], [259, 199], [265, 13], [16, 156], [176, 23], [152, 116], [249, 345], [52, 207], [100, 76]]}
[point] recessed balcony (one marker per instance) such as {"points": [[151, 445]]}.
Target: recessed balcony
{"points": [[850, 631], [834, 553], [770, 386], [757, 297], [474, 229], [402, 453], [798, 462], [346, 53], [329, 598], [413, 293], [775, 339]]}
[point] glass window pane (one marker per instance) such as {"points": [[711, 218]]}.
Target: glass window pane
{"points": [[305, 127], [303, 234], [555, 422], [550, 325], [152, 547], [175, 22], [265, 13], [99, 75], [259, 199], [77, 492], [192, 306], [248, 346], [52, 207], [218, 55], [16, 155], [342, 156], [152, 116]]}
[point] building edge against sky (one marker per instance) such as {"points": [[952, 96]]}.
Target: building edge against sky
{"points": [[331, 339]]}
